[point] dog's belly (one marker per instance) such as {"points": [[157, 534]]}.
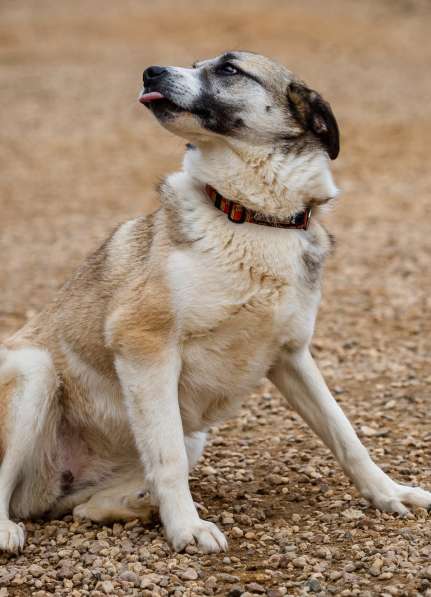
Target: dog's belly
{"points": [[95, 436]]}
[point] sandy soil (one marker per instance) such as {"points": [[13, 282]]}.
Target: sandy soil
{"points": [[79, 155]]}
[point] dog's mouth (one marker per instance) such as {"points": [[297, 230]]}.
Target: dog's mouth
{"points": [[150, 96], [157, 102]]}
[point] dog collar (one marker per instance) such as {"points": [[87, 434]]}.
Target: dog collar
{"points": [[239, 214]]}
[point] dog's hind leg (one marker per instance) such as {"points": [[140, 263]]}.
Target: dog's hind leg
{"points": [[124, 498], [27, 385], [121, 498]]}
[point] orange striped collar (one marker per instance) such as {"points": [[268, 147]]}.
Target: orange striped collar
{"points": [[239, 214]]}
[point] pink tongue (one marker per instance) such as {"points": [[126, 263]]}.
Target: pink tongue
{"points": [[147, 98]]}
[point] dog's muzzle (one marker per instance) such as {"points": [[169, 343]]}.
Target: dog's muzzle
{"points": [[153, 74], [152, 77]]}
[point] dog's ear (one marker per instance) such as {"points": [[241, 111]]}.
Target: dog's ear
{"points": [[313, 113]]}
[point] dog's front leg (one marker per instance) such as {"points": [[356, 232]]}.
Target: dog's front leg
{"points": [[151, 394], [298, 378]]}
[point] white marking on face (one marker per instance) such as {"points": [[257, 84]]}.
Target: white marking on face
{"points": [[189, 77], [181, 85]]}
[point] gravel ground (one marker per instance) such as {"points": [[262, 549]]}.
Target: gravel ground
{"points": [[79, 156]]}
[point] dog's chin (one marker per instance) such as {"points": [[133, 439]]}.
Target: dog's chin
{"points": [[185, 123], [178, 121], [165, 109], [170, 114]]}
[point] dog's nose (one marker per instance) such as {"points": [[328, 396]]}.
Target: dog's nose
{"points": [[154, 72]]}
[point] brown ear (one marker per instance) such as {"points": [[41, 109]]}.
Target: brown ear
{"points": [[315, 114]]}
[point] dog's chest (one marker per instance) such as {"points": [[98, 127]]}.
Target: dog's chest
{"points": [[233, 317]]}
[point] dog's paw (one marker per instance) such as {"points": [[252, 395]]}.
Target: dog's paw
{"points": [[85, 511], [12, 536], [82, 512], [110, 510], [205, 535], [390, 496]]}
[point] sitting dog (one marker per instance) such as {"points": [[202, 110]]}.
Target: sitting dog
{"points": [[106, 396]]}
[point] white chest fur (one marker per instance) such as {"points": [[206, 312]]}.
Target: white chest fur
{"points": [[238, 296]]}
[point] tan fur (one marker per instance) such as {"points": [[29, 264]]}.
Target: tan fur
{"points": [[6, 392], [141, 327]]}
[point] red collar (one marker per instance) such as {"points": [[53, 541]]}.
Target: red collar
{"points": [[239, 214]]}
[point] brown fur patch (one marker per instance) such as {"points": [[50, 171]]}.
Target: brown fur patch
{"points": [[79, 314], [142, 327]]}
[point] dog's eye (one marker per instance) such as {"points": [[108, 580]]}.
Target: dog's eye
{"points": [[227, 69]]}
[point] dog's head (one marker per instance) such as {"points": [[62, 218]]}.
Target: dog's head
{"points": [[240, 95]]}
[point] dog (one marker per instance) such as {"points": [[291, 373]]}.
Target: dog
{"points": [[106, 396]]}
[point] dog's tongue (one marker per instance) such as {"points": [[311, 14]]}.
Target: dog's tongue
{"points": [[152, 96]]}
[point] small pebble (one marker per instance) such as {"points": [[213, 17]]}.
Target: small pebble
{"points": [[189, 574]]}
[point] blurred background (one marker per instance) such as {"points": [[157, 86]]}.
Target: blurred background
{"points": [[78, 155]]}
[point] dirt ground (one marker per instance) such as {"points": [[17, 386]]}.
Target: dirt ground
{"points": [[78, 155]]}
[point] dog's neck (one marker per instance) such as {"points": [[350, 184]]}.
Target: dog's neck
{"points": [[267, 180]]}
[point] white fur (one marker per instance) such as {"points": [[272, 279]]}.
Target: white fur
{"points": [[159, 435], [277, 183], [187, 83]]}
